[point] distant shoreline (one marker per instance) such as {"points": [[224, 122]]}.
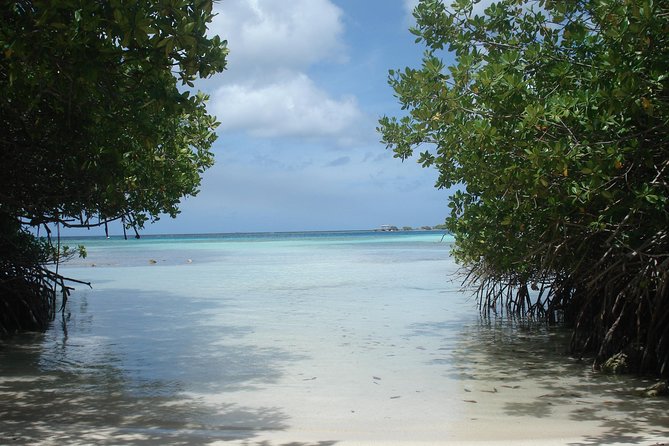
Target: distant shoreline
{"points": [[258, 233]]}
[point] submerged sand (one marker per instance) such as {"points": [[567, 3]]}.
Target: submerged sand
{"points": [[294, 345], [479, 385]]}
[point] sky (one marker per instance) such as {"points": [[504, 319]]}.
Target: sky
{"points": [[299, 104]]}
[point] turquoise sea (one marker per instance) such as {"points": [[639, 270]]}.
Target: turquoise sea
{"points": [[297, 339]]}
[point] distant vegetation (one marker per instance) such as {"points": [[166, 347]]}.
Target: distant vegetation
{"points": [[390, 228], [98, 125], [554, 120]]}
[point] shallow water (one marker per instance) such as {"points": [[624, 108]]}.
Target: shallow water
{"points": [[297, 339]]}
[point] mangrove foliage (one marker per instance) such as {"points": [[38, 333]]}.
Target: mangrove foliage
{"points": [[98, 125], [550, 121]]}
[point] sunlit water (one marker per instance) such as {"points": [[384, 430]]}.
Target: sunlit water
{"points": [[297, 339]]}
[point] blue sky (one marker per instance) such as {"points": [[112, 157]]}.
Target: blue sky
{"points": [[298, 105]]}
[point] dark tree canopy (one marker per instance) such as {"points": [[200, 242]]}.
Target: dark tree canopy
{"points": [[554, 122], [97, 120]]}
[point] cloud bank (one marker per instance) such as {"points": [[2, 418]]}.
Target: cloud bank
{"points": [[267, 91]]}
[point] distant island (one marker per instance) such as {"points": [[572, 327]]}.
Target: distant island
{"points": [[391, 228]]}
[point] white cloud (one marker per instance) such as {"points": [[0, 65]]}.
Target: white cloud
{"points": [[266, 35], [292, 106], [267, 91]]}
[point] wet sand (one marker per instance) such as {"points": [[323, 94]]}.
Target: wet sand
{"points": [[490, 387], [479, 386]]}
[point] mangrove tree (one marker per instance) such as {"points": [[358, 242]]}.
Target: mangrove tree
{"points": [[549, 119], [98, 125]]}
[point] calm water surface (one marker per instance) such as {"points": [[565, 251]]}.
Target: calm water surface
{"points": [[307, 337]]}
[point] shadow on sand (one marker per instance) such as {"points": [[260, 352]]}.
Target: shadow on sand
{"points": [[102, 380], [502, 360]]}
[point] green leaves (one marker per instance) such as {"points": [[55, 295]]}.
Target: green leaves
{"points": [[555, 118], [94, 123]]}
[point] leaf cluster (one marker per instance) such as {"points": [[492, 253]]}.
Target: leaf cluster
{"points": [[553, 124], [98, 124], [96, 127]]}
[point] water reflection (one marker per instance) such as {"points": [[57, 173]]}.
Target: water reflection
{"points": [[122, 371]]}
